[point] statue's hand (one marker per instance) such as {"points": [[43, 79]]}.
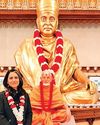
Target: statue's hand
{"points": [[93, 87], [71, 86]]}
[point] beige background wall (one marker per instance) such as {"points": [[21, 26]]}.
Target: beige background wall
{"points": [[85, 37]]}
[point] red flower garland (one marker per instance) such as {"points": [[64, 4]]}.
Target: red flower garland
{"points": [[44, 65], [59, 50], [18, 113]]}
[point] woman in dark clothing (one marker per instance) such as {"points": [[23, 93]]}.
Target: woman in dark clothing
{"points": [[15, 108]]}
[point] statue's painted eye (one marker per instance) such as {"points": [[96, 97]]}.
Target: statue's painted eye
{"points": [[52, 19], [43, 19]]}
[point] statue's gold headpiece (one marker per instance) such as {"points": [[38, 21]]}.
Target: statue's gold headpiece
{"points": [[47, 6]]}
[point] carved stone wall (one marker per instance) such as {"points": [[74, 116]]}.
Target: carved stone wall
{"points": [[66, 4]]}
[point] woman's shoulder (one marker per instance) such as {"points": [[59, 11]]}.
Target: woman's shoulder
{"points": [[25, 93], [2, 94]]}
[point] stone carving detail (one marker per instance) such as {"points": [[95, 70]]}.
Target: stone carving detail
{"points": [[63, 4]]}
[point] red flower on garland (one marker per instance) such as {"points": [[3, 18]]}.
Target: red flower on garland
{"points": [[44, 65]]}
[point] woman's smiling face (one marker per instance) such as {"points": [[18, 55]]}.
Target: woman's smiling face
{"points": [[13, 80]]}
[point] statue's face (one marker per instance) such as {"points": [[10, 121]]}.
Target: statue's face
{"points": [[47, 23]]}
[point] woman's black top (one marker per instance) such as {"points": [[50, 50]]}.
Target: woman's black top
{"points": [[6, 115]]}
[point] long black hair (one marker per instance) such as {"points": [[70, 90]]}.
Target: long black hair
{"points": [[7, 75]]}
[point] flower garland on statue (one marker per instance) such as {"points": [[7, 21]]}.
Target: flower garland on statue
{"points": [[44, 65], [17, 112]]}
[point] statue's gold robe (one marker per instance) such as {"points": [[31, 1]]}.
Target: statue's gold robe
{"points": [[27, 62], [59, 112]]}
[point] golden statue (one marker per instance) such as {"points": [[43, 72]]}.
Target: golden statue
{"points": [[48, 50]]}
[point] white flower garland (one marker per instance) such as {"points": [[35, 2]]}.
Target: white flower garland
{"points": [[18, 113]]}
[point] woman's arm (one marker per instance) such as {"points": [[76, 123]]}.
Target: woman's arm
{"points": [[28, 120], [3, 119]]}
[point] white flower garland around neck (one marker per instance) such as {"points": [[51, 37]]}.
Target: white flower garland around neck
{"points": [[17, 112]]}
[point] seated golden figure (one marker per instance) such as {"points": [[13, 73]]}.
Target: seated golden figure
{"points": [[59, 56]]}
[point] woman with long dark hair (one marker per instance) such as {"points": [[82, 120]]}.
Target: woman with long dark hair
{"points": [[15, 108]]}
